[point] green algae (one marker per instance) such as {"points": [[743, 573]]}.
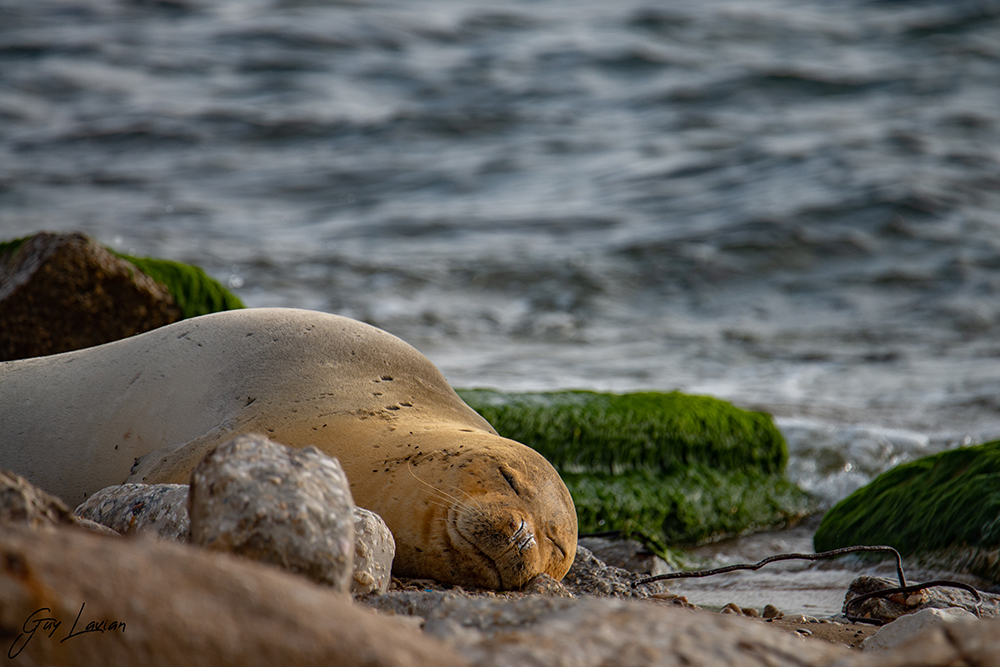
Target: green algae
{"points": [[194, 291], [655, 431], [948, 503], [694, 506], [668, 468]]}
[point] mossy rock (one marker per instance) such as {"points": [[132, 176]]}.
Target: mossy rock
{"points": [[655, 431], [195, 292], [694, 506], [669, 468], [944, 510]]}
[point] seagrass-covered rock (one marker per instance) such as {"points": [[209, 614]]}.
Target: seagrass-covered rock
{"points": [[670, 468], [941, 510]]}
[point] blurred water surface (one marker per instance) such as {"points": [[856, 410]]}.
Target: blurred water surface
{"points": [[794, 205]]}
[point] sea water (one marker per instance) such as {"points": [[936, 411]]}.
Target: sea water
{"points": [[791, 205]]}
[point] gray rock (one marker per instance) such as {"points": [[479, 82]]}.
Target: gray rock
{"points": [[166, 604], [890, 608], [65, 292], [543, 584], [162, 510], [419, 604], [943, 645], [625, 554], [544, 631], [23, 504], [288, 507], [589, 576], [157, 509], [374, 550]]}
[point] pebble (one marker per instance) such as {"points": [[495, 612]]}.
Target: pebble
{"points": [[374, 549], [770, 611], [801, 618]]}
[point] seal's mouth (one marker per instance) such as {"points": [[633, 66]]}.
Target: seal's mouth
{"points": [[467, 546]]}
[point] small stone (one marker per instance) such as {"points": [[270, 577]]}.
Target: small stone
{"points": [[731, 608], [801, 618], [628, 555], [673, 599], [590, 576], [770, 611], [543, 584], [751, 612], [805, 632], [290, 508], [363, 581], [374, 549]]}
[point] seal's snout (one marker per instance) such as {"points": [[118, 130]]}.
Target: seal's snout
{"points": [[522, 538]]}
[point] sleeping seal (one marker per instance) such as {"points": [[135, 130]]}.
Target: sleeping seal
{"points": [[465, 505]]}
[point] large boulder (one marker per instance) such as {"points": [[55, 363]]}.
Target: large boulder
{"points": [[543, 631], [670, 468], [150, 602], [939, 511], [289, 507]]}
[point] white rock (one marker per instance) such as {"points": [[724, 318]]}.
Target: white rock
{"points": [[907, 628], [374, 550]]}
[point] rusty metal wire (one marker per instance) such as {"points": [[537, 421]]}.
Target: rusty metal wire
{"points": [[771, 559], [902, 589]]}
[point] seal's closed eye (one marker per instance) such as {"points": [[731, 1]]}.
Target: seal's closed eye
{"points": [[510, 480]]}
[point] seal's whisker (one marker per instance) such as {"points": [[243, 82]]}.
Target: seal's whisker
{"points": [[453, 501], [478, 509]]}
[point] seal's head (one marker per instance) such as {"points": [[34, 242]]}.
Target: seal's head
{"points": [[493, 513]]}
